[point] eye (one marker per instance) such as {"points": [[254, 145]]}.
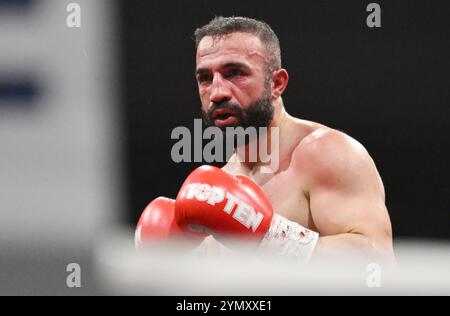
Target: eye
{"points": [[235, 73], [204, 78]]}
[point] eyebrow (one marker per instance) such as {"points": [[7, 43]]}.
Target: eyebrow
{"points": [[227, 65]]}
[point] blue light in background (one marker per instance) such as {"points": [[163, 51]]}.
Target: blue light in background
{"points": [[20, 91], [16, 5]]}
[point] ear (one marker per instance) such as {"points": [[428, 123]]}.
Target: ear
{"points": [[280, 79]]}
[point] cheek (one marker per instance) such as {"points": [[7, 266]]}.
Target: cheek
{"points": [[204, 98], [248, 91], [202, 91]]}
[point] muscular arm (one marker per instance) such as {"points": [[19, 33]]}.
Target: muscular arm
{"points": [[346, 197]]}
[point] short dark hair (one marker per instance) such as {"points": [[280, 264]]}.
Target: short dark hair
{"points": [[221, 26]]}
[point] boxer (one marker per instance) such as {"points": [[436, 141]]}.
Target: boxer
{"points": [[326, 184]]}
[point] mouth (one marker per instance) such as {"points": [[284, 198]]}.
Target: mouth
{"points": [[224, 117]]}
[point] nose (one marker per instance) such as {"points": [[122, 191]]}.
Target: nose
{"points": [[220, 90]]}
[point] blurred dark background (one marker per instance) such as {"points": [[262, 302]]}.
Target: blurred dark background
{"points": [[387, 87]]}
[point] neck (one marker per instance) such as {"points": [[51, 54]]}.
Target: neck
{"points": [[267, 143]]}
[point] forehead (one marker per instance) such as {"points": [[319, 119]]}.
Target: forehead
{"points": [[241, 46]]}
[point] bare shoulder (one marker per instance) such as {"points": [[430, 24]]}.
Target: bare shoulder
{"points": [[330, 157], [328, 145]]}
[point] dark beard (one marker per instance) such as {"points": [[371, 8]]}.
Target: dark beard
{"points": [[257, 114]]}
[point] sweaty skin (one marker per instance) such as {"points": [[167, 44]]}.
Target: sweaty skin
{"points": [[326, 180]]}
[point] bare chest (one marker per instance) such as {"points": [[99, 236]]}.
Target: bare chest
{"points": [[285, 190]]}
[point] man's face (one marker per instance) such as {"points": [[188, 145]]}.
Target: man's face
{"points": [[232, 81]]}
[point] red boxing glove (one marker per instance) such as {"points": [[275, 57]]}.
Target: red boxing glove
{"points": [[226, 205], [234, 206], [157, 223]]}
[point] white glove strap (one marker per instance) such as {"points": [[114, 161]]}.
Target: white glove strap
{"points": [[288, 238]]}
